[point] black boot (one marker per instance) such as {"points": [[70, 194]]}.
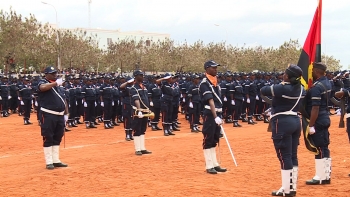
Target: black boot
{"points": [[114, 123], [73, 124], [78, 121], [266, 119], [154, 127], [107, 126], [87, 125], [166, 130], [92, 125], [244, 119], [127, 135], [175, 128], [50, 166], [211, 171], [57, 165], [130, 134], [258, 118], [250, 121], [110, 124], [66, 129], [159, 129], [193, 129], [235, 124]]}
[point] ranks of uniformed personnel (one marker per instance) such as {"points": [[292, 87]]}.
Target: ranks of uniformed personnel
{"points": [[89, 99], [13, 102], [237, 101], [166, 101], [194, 106], [70, 88], [127, 108], [25, 97], [175, 103], [54, 113], [251, 97], [115, 102], [5, 96], [79, 99], [140, 104], [286, 128], [317, 108], [209, 91], [154, 95], [106, 98]]}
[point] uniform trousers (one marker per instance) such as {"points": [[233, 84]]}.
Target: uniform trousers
{"points": [[211, 131], [52, 129]]}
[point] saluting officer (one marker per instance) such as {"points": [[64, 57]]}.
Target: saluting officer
{"points": [[209, 91], [317, 107], [155, 93], [126, 104], [140, 103], [25, 96], [54, 112], [286, 128], [166, 101]]}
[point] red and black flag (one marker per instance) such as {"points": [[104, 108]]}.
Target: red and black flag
{"points": [[311, 53], [312, 48]]}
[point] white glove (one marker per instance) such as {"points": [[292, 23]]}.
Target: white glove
{"points": [[19, 98], [257, 97], [225, 99], [233, 102], [248, 100], [218, 120], [0, 98], [131, 80], [191, 105], [183, 100], [33, 96], [82, 101], [76, 102], [312, 130], [22, 103], [181, 96], [9, 97], [95, 104], [151, 104], [102, 104], [118, 102], [112, 103], [65, 118], [32, 102], [140, 115], [263, 100], [85, 104], [59, 81], [36, 103], [243, 100]]}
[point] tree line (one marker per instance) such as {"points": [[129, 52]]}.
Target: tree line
{"points": [[27, 45]]}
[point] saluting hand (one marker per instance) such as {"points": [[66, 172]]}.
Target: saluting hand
{"points": [[339, 94]]}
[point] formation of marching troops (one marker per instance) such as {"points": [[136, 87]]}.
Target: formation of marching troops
{"points": [[104, 98]]}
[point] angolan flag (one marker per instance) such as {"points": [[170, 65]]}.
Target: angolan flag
{"points": [[312, 48], [311, 53]]}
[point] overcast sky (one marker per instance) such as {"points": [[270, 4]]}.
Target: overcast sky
{"points": [[250, 22]]}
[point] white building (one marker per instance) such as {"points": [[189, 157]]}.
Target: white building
{"points": [[105, 37]]}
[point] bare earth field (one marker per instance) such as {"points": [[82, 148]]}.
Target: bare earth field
{"points": [[102, 163]]}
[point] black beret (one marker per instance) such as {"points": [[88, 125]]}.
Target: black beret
{"points": [[320, 65]]}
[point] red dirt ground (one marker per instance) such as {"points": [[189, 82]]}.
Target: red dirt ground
{"points": [[101, 163]]}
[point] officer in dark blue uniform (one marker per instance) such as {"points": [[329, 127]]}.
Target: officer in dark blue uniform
{"points": [[317, 107], [175, 103], [194, 106], [210, 94], [5, 95], [237, 101], [155, 93], [106, 98], [79, 98], [251, 96], [14, 97], [89, 99], [54, 112], [126, 104], [25, 95], [286, 128], [166, 101], [70, 88], [115, 102], [140, 104]]}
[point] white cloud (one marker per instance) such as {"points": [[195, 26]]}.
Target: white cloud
{"points": [[270, 29]]}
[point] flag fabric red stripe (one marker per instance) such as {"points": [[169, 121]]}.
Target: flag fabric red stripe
{"points": [[312, 47]]}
